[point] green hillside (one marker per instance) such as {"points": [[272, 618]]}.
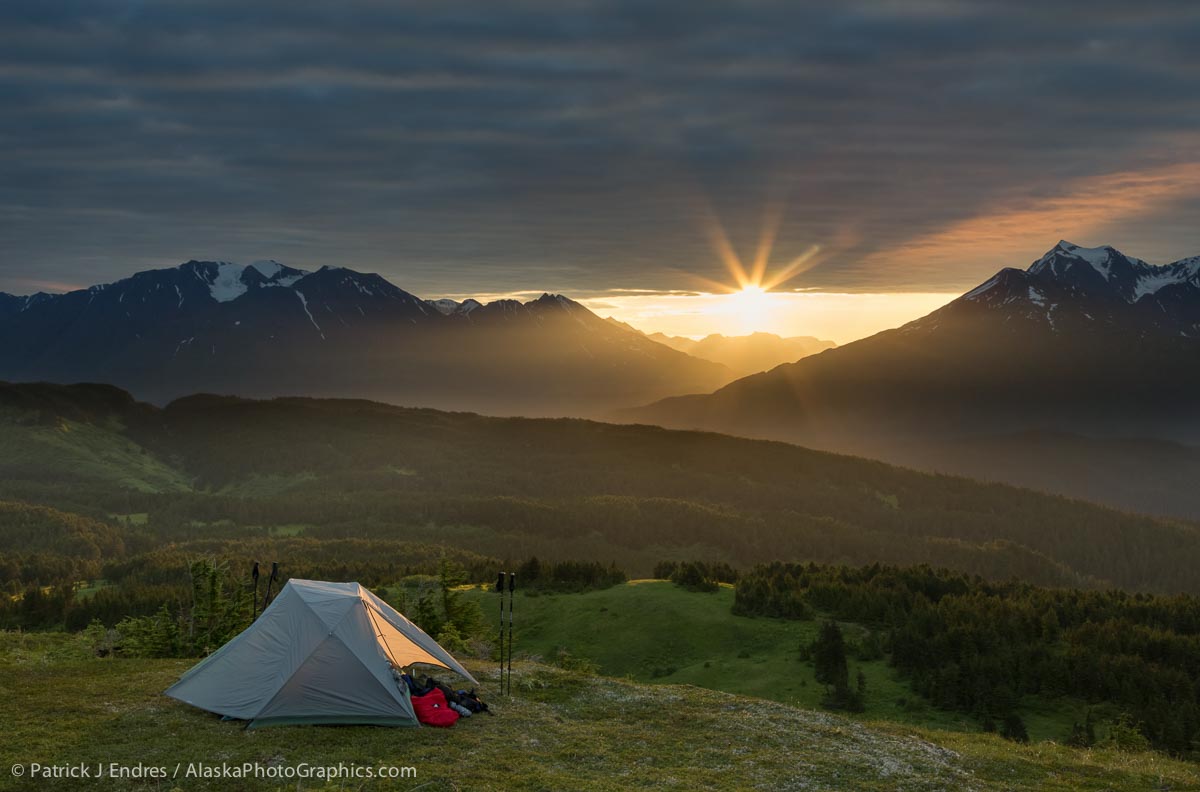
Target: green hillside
{"points": [[556, 488], [560, 730], [75, 451], [653, 631]]}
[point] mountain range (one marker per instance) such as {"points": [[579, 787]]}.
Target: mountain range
{"points": [[1076, 375], [748, 354], [266, 329]]}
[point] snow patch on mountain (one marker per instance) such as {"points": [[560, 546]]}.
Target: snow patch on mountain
{"points": [[445, 306], [448, 307], [1151, 282], [1098, 257], [227, 284], [304, 303], [227, 281]]}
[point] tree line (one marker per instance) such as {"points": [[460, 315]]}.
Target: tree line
{"points": [[977, 646]]}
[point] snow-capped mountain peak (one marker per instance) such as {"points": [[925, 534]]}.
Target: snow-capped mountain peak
{"points": [[227, 280], [1099, 258], [1106, 261], [1105, 271], [1088, 287], [448, 307], [444, 306]]}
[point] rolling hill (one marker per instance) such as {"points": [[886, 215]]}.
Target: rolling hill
{"points": [[511, 488]]}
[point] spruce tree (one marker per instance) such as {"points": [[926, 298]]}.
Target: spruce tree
{"points": [[829, 657], [1014, 728]]}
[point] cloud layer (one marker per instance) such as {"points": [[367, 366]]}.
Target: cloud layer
{"points": [[580, 146]]}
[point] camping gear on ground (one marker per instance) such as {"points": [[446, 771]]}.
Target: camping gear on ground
{"points": [[432, 709], [464, 702], [472, 702], [321, 653]]}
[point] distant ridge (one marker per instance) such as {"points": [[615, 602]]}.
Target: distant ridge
{"points": [[747, 354]]}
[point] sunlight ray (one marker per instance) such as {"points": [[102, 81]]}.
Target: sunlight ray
{"points": [[721, 244], [798, 265], [766, 241]]}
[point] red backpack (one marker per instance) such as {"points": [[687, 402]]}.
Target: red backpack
{"points": [[432, 709]]}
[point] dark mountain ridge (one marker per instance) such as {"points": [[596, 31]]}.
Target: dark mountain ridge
{"points": [[1086, 345], [266, 329]]}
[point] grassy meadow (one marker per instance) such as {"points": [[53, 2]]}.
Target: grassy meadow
{"points": [[559, 730], [654, 631]]}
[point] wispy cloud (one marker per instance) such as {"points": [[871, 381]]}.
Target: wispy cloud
{"points": [[1019, 230], [566, 147]]}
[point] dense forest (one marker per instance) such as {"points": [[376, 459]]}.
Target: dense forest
{"points": [[976, 646]]}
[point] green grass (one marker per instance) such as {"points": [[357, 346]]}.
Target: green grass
{"points": [[653, 631], [560, 730], [88, 588], [89, 452]]}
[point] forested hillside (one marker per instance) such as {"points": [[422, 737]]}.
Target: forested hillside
{"points": [[979, 647], [211, 469]]}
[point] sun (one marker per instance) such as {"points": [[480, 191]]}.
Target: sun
{"points": [[749, 299], [750, 307]]}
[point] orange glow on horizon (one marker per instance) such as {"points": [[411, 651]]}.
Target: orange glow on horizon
{"points": [[838, 317]]}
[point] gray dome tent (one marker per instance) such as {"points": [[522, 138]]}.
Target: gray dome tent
{"points": [[318, 654]]}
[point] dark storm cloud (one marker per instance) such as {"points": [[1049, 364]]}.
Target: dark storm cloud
{"points": [[574, 145]]}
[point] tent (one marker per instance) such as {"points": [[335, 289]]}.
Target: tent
{"points": [[319, 654]]}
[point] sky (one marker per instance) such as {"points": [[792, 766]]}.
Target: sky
{"points": [[883, 155]]}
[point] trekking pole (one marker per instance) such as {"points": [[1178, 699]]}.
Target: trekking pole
{"points": [[500, 591], [270, 580], [512, 588], [254, 602]]}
